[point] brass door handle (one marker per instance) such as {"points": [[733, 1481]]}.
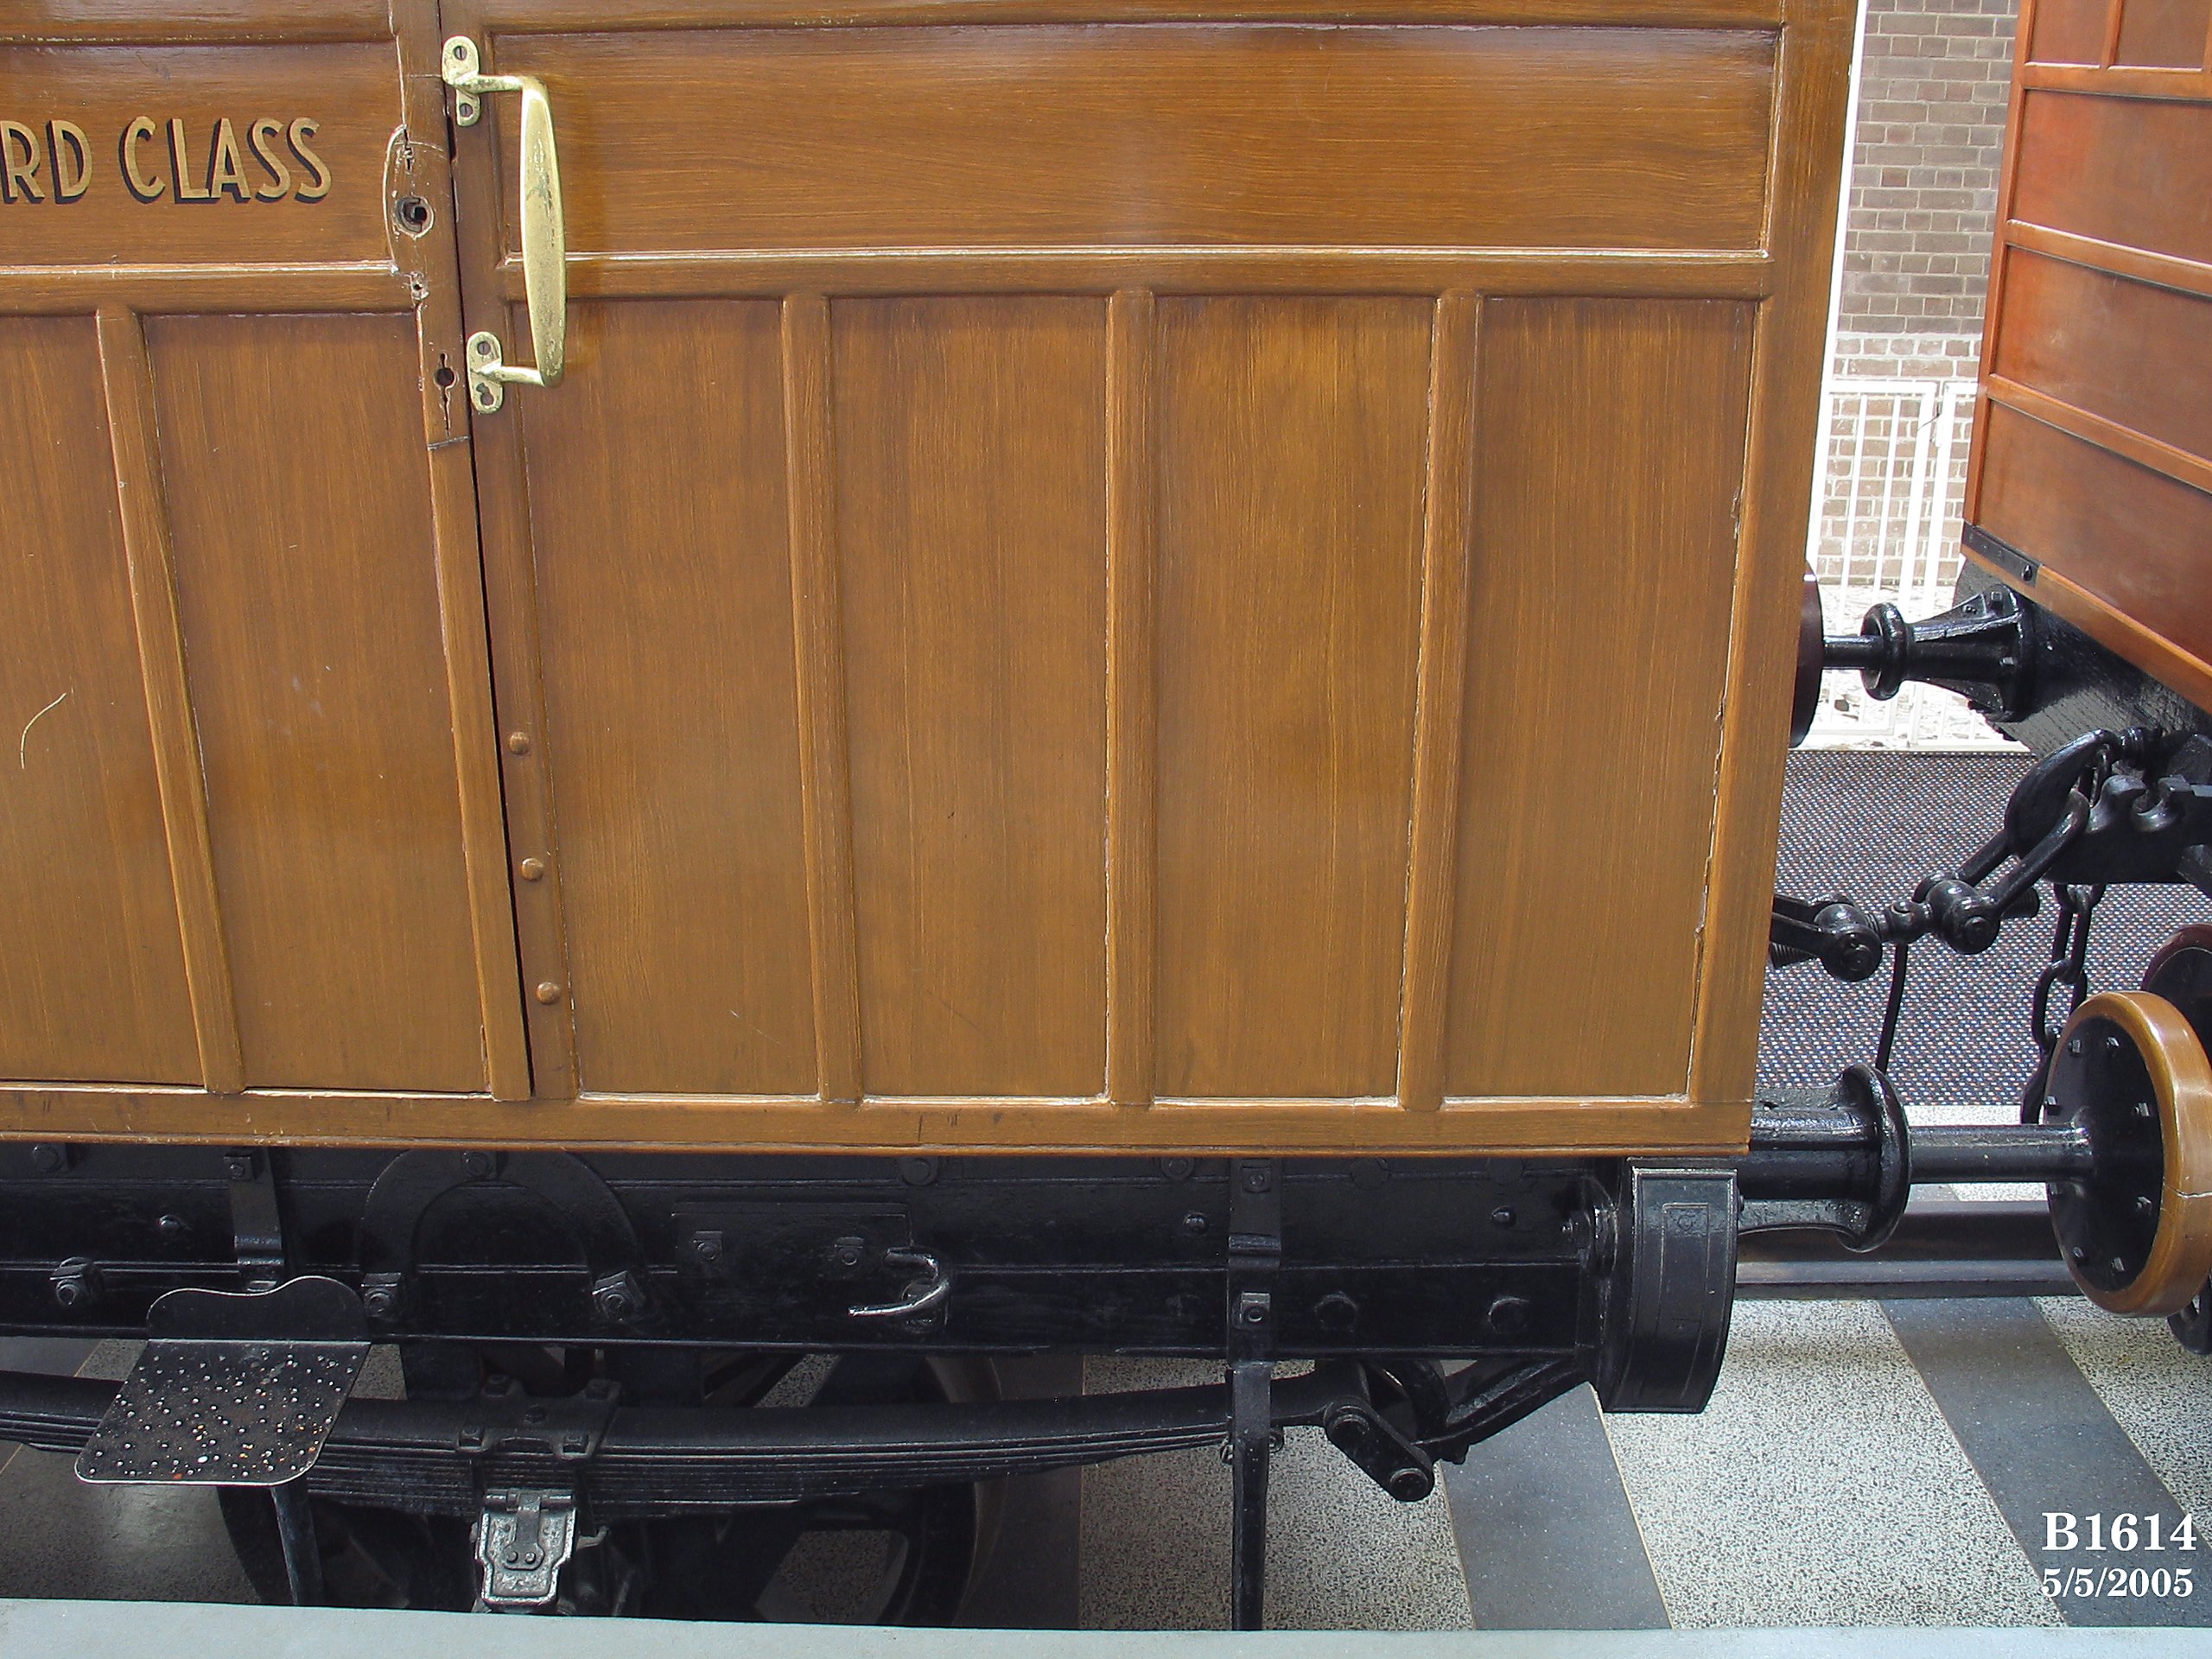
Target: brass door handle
{"points": [[545, 243]]}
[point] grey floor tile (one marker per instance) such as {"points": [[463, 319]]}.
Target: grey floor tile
{"points": [[2042, 1442], [61, 1538], [2156, 1389], [1546, 1533], [1341, 1553], [1821, 1488]]}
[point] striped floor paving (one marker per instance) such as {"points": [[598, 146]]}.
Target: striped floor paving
{"points": [[1861, 1464]]}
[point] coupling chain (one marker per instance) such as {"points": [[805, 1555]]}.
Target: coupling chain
{"points": [[2069, 963]]}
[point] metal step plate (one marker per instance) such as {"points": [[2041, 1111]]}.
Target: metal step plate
{"points": [[234, 1388]]}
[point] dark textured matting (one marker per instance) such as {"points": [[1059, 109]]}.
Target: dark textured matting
{"points": [[1871, 823]]}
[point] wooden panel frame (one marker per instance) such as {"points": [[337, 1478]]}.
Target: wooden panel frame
{"points": [[2067, 596], [1785, 276], [420, 276], [129, 384]]}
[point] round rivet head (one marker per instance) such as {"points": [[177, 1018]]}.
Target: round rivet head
{"points": [[517, 742], [548, 991], [531, 869]]}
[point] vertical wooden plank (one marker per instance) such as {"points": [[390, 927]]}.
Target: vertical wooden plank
{"points": [[1132, 707], [309, 600], [971, 545], [1441, 701], [93, 979], [504, 539], [2115, 13], [417, 166], [817, 620], [127, 379], [2000, 253], [483, 827], [1293, 434], [1610, 461], [659, 527], [1770, 559]]}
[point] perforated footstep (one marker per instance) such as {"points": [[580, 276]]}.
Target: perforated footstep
{"points": [[234, 1388]]}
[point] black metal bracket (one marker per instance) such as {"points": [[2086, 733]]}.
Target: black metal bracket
{"points": [[1375, 1444], [523, 1538], [612, 1289], [257, 1222], [2006, 558], [1254, 1252], [1858, 1135], [560, 1431]]}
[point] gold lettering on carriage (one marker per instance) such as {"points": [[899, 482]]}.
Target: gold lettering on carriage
{"points": [[180, 160]]}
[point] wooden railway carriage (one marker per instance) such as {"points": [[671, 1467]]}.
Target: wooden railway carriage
{"points": [[709, 681]]}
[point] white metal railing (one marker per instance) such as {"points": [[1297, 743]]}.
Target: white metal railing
{"points": [[1890, 492]]}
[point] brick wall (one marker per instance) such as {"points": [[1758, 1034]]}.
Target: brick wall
{"points": [[1933, 80], [1933, 76]]}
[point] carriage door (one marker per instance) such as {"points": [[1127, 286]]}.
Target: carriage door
{"points": [[957, 593], [251, 862]]}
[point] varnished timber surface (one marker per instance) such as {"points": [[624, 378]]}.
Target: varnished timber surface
{"points": [[2130, 537], [2133, 353], [1044, 135], [2163, 33], [571, 16], [309, 606], [1440, 709], [199, 203], [2125, 170], [1068, 597], [1132, 699], [2093, 454], [670, 723], [91, 965], [127, 380], [1293, 437], [1606, 425], [2069, 31], [212, 21], [971, 513]]}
